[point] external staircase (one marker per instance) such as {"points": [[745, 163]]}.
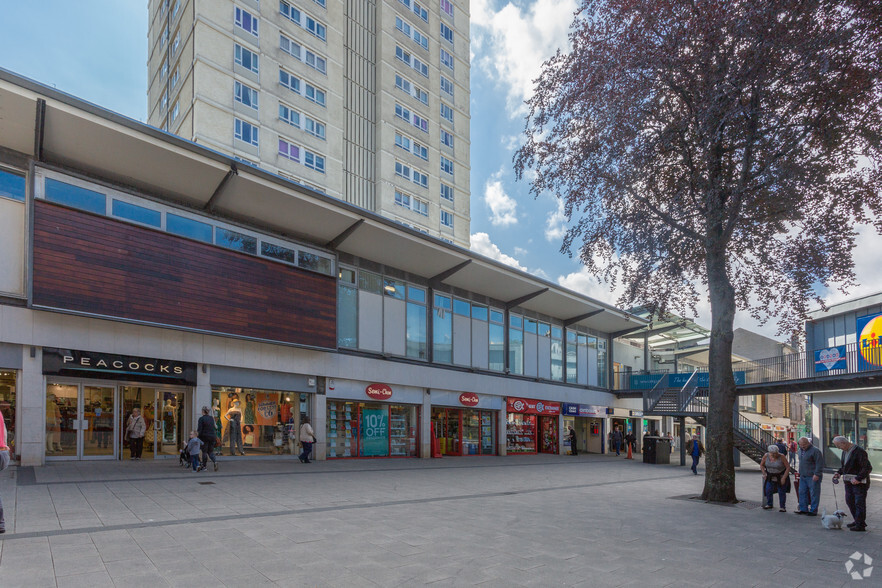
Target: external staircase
{"points": [[691, 401]]}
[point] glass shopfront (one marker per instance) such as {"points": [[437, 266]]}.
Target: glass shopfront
{"points": [[257, 422], [372, 429], [860, 423], [464, 431], [532, 426], [7, 406]]}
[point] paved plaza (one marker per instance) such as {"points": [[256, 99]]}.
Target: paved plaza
{"points": [[505, 521]]}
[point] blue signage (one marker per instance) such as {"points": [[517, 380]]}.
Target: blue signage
{"points": [[698, 379], [833, 358], [585, 410], [644, 381]]}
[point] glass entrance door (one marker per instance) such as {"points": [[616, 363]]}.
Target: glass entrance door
{"points": [[80, 420], [163, 412]]}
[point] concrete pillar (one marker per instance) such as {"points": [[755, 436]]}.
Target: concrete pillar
{"points": [[320, 426], [426, 425], [502, 428], [31, 402], [682, 441], [202, 393]]}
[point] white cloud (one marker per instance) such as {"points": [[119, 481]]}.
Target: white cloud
{"points": [[587, 284], [866, 267], [503, 208], [520, 251], [510, 142], [510, 44], [481, 243], [556, 223]]}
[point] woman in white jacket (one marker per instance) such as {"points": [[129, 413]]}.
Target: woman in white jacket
{"points": [[307, 438]]}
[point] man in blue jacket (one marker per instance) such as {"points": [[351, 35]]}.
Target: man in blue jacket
{"points": [[810, 472], [855, 472]]}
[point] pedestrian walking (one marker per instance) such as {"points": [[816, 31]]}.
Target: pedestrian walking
{"points": [[572, 438], [307, 438], [136, 428], [696, 450], [791, 453], [631, 441], [782, 447], [194, 450], [4, 463], [616, 439], [855, 473], [776, 477], [207, 433], [809, 475]]}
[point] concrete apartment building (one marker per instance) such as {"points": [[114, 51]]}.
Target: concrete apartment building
{"points": [[364, 101]]}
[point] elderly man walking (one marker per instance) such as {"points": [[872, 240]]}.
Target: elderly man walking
{"points": [[810, 472], [855, 472]]}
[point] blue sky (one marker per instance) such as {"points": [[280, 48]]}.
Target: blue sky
{"points": [[97, 50]]}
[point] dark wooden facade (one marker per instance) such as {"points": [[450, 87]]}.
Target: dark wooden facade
{"points": [[93, 264]]}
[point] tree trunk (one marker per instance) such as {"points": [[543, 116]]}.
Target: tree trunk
{"points": [[719, 481]]}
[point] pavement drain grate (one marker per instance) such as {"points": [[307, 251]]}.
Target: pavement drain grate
{"points": [[205, 483], [745, 504]]}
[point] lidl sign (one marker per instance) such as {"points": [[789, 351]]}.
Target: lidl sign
{"points": [[869, 330]]}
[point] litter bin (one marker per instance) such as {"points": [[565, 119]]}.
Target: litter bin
{"points": [[656, 450]]}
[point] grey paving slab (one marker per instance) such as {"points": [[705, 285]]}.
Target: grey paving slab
{"points": [[531, 521]]}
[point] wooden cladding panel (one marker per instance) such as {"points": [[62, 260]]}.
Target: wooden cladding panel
{"points": [[93, 264]]}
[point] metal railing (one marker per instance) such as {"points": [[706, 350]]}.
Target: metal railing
{"points": [[839, 360], [652, 397], [753, 431]]}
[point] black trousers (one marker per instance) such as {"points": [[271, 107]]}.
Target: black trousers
{"points": [[856, 499], [208, 450], [136, 446]]}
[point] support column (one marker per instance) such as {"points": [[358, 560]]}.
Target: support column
{"points": [[31, 402], [502, 429], [320, 426], [202, 393], [426, 425], [682, 441]]}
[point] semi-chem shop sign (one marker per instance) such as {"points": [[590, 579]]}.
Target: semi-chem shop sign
{"points": [[378, 391], [525, 406], [468, 399]]}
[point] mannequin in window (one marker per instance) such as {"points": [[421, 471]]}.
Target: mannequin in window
{"points": [[234, 416], [249, 409], [218, 427], [53, 425], [169, 423]]}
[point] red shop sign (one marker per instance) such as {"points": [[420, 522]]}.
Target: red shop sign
{"points": [[525, 406], [468, 399], [378, 391]]}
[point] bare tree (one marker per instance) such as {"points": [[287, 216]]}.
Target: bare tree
{"points": [[718, 148]]}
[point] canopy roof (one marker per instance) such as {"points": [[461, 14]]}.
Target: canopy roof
{"points": [[61, 130]]}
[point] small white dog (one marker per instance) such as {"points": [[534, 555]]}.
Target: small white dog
{"points": [[832, 521]]}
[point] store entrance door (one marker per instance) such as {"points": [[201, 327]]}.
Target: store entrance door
{"points": [[163, 411], [447, 429], [80, 420]]}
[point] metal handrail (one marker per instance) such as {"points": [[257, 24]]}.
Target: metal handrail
{"points": [[759, 436], [652, 398], [853, 359]]}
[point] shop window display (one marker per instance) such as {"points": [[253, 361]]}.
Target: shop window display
{"points": [[360, 429], [257, 422], [7, 407], [521, 433], [464, 431]]}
